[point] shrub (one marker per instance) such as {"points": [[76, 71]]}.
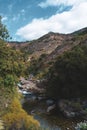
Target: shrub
{"points": [[81, 126], [18, 119]]}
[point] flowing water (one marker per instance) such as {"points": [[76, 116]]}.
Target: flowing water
{"points": [[55, 121]]}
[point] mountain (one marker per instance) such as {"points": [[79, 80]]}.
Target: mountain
{"points": [[52, 44], [61, 59], [46, 44]]}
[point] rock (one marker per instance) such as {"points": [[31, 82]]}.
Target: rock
{"points": [[69, 114], [50, 108], [26, 92], [32, 112]]}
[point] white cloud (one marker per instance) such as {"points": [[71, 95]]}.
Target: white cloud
{"points": [[59, 2], [65, 22], [4, 18]]}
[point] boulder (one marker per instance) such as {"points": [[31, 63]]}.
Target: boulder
{"points": [[50, 108]]}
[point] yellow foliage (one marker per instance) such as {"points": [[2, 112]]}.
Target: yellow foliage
{"points": [[1, 125], [18, 118], [15, 106]]}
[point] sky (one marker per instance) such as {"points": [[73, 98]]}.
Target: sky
{"points": [[28, 20]]}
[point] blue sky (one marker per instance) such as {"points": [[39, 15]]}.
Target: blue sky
{"points": [[30, 19]]}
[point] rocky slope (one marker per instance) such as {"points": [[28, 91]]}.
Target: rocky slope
{"points": [[46, 44], [52, 44]]}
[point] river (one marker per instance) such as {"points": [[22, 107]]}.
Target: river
{"points": [[54, 121]]}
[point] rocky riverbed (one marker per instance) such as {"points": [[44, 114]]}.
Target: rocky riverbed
{"points": [[54, 120], [54, 115]]}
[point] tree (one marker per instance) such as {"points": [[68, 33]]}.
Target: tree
{"points": [[68, 76], [4, 35]]}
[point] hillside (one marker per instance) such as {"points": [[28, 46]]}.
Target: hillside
{"points": [[46, 44], [51, 43], [40, 54], [11, 67], [59, 61]]}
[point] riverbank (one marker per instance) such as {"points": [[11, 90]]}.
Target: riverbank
{"points": [[54, 115], [52, 121]]}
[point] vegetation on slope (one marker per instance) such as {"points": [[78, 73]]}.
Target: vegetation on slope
{"points": [[40, 65], [12, 66], [18, 119], [68, 76], [36, 67]]}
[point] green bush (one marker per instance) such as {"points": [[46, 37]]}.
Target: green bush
{"points": [[81, 126], [68, 76]]}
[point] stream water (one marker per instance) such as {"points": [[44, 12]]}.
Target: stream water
{"points": [[55, 121]]}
